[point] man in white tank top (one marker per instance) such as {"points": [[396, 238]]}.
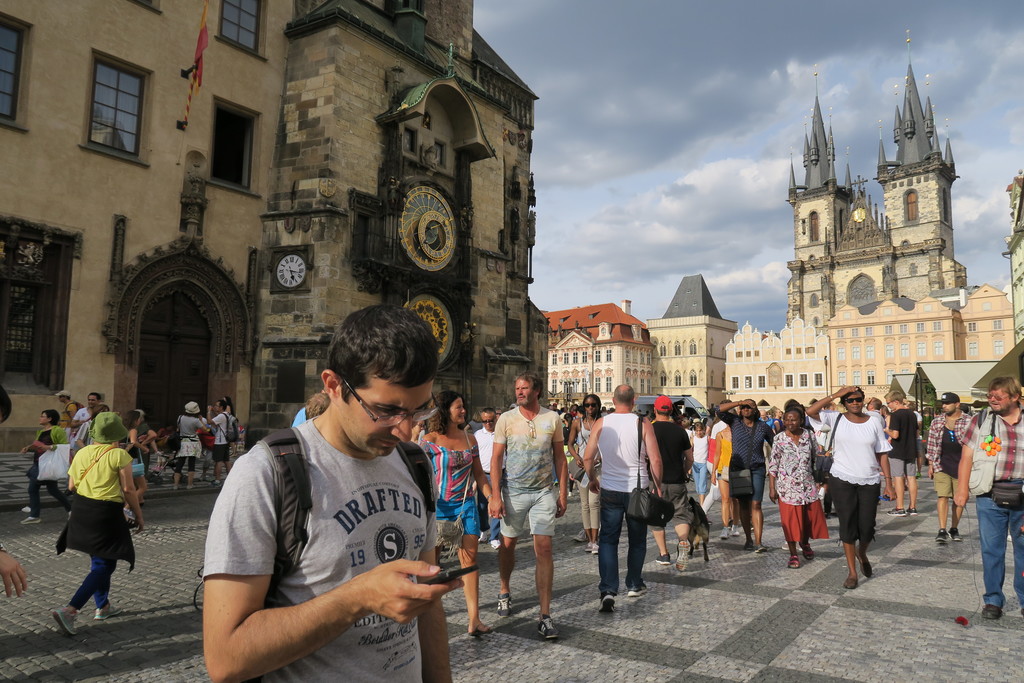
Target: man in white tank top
{"points": [[622, 461]]}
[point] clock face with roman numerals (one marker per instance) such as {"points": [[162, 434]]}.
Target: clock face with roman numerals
{"points": [[291, 271], [427, 230]]}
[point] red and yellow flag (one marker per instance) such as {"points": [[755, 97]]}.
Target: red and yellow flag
{"points": [[195, 72]]}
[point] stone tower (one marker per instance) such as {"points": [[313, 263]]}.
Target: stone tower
{"points": [[847, 250]]}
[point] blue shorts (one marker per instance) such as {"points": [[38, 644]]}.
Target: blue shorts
{"points": [[700, 478], [466, 510]]}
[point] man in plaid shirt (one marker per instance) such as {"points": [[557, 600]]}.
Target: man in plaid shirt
{"points": [[945, 445], [1004, 421]]}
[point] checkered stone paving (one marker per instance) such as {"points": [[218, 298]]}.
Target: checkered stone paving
{"points": [[739, 617]]}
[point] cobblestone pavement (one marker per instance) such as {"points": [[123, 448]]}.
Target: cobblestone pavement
{"points": [[739, 617]]}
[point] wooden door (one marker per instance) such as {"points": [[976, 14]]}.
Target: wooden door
{"points": [[174, 359]]}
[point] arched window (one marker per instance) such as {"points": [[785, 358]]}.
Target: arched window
{"points": [[910, 205], [814, 300], [861, 291], [693, 378], [945, 205], [664, 379], [679, 349], [693, 348], [661, 350], [815, 236], [679, 380]]}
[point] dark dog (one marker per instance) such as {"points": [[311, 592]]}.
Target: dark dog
{"points": [[699, 529]]}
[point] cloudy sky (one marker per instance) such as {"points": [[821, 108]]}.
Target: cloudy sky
{"points": [[665, 129]]}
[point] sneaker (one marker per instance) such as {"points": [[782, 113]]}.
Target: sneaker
{"points": [[897, 512], [107, 612], [991, 612], [682, 555], [26, 509], [215, 482], [664, 560], [942, 536], [725, 533], [736, 530], [954, 535], [546, 628], [65, 618], [581, 536], [607, 603], [761, 549], [912, 512], [31, 520], [504, 604], [636, 592], [594, 548], [495, 544]]}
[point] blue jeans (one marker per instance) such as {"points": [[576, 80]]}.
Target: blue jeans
{"points": [[96, 584], [33, 491], [700, 478], [613, 509], [994, 523]]}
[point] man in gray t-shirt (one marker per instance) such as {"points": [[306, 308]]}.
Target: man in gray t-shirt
{"points": [[352, 607]]}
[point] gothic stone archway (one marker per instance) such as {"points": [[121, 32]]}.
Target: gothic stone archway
{"points": [[184, 270]]}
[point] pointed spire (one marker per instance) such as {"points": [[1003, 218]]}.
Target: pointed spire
{"points": [[929, 119], [792, 176], [914, 145], [949, 152], [881, 155], [816, 147], [848, 184], [897, 127]]}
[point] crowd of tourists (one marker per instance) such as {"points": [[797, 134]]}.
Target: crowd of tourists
{"points": [[325, 552]]}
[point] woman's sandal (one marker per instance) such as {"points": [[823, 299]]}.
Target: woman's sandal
{"points": [[865, 567], [480, 631], [808, 553], [850, 583], [794, 562]]}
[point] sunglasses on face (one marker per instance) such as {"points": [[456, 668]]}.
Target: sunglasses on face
{"points": [[854, 399], [589, 405], [488, 421]]}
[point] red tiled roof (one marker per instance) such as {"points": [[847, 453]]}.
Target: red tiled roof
{"points": [[590, 316]]}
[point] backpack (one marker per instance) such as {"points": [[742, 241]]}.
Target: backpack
{"points": [[231, 428], [293, 495]]}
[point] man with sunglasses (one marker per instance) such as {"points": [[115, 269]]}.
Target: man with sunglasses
{"points": [[355, 606], [530, 450], [485, 444]]}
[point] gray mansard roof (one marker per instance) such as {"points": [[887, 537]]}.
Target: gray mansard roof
{"points": [[692, 298]]}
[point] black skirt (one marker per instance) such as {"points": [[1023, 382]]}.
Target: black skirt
{"points": [[98, 528]]}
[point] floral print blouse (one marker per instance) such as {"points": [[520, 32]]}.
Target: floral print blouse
{"points": [[790, 464]]}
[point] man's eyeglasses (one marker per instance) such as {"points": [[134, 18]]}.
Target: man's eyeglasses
{"points": [[488, 421], [392, 419]]}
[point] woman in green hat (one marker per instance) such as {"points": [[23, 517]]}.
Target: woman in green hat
{"points": [[101, 477]]}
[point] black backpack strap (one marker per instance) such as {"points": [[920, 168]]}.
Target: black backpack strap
{"points": [[418, 464], [293, 500]]}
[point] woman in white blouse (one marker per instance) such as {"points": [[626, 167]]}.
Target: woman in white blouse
{"points": [[859, 462]]}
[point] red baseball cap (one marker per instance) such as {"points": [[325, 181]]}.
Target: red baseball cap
{"points": [[663, 404]]}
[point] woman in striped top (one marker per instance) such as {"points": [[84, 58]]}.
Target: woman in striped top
{"points": [[453, 452]]}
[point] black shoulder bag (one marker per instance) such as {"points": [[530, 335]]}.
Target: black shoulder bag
{"points": [[645, 505], [741, 482]]}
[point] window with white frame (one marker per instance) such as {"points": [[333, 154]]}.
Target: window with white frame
{"points": [[887, 329], [889, 375], [919, 327], [803, 380], [997, 324], [869, 352], [608, 384], [819, 379], [554, 359], [735, 382], [584, 356], [789, 381], [938, 348], [856, 376], [972, 327], [869, 331], [575, 357], [937, 326], [905, 350], [840, 334], [761, 382], [855, 352], [565, 358], [972, 349], [871, 376], [607, 355], [890, 350], [841, 377], [840, 353], [748, 382], [997, 348], [922, 349], [904, 328]]}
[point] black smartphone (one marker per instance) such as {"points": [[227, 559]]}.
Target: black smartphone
{"points": [[447, 575]]}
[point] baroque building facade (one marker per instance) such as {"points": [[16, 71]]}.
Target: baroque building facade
{"points": [[689, 343], [337, 154], [593, 349], [773, 367], [849, 250], [872, 343], [1015, 248]]}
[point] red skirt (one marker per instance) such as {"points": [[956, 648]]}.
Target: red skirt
{"points": [[803, 522]]}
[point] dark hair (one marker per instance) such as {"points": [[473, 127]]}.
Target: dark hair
{"points": [[796, 408], [443, 418], [597, 400], [98, 395], [535, 382], [132, 419], [53, 415], [226, 404], [384, 341]]}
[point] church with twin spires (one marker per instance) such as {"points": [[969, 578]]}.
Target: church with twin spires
{"points": [[851, 250]]}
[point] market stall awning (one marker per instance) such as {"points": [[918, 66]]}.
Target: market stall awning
{"points": [[958, 376]]}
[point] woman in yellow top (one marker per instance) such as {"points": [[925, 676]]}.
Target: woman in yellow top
{"points": [[101, 477], [720, 476], [47, 437]]}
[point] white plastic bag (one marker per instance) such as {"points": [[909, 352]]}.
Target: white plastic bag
{"points": [[53, 464]]}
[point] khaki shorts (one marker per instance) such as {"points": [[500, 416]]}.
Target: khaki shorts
{"points": [[528, 510], [945, 485]]}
